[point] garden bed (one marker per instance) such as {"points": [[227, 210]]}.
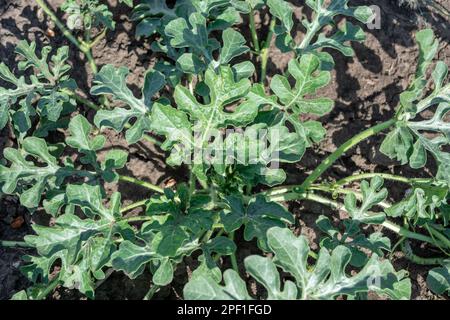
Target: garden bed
{"points": [[365, 89]]}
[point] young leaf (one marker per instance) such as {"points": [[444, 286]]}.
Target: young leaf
{"points": [[257, 218], [153, 15], [221, 246], [44, 175], [223, 91], [49, 82], [337, 41], [174, 228], [173, 232], [328, 279], [243, 70], [283, 11], [83, 246], [372, 194], [175, 126], [87, 14], [90, 200], [233, 46], [208, 118], [192, 20], [80, 130], [168, 237], [353, 239], [191, 34], [112, 81], [324, 13], [296, 101], [257, 152], [67, 234], [114, 159], [190, 63], [265, 272], [423, 202], [309, 79], [24, 176], [408, 141]]}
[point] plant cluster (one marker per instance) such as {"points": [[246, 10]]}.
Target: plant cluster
{"points": [[203, 85]]}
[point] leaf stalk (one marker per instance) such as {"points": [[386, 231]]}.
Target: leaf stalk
{"points": [[13, 244], [331, 159], [233, 258], [253, 32], [141, 183], [385, 176], [81, 45], [265, 51], [133, 206]]}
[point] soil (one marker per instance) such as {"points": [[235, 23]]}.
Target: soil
{"points": [[365, 88]]}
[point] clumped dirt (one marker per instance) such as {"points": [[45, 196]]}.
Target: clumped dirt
{"points": [[365, 88]]}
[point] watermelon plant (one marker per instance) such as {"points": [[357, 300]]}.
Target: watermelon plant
{"points": [[209, 105]]}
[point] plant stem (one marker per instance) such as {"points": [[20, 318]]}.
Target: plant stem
{"points": [[82, 46], [91, 61], [218, 226], [233, 258], [151, 139], [394, 247], [316, 26], [207, 236], [151, 292], [419, 260], [343, 191], [59, 24], [133, 206], [265, 51], [108, 273], [440, 237], [141, 183], [343, 149], [253, 31], [335, 205], [82, 100], [406, 233], [12, 244], [49, 289], [313, 255], [138, 219], [88, 52], [97, 39], [191, 181], [311, 32], [287, 197], [385, 176]]}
